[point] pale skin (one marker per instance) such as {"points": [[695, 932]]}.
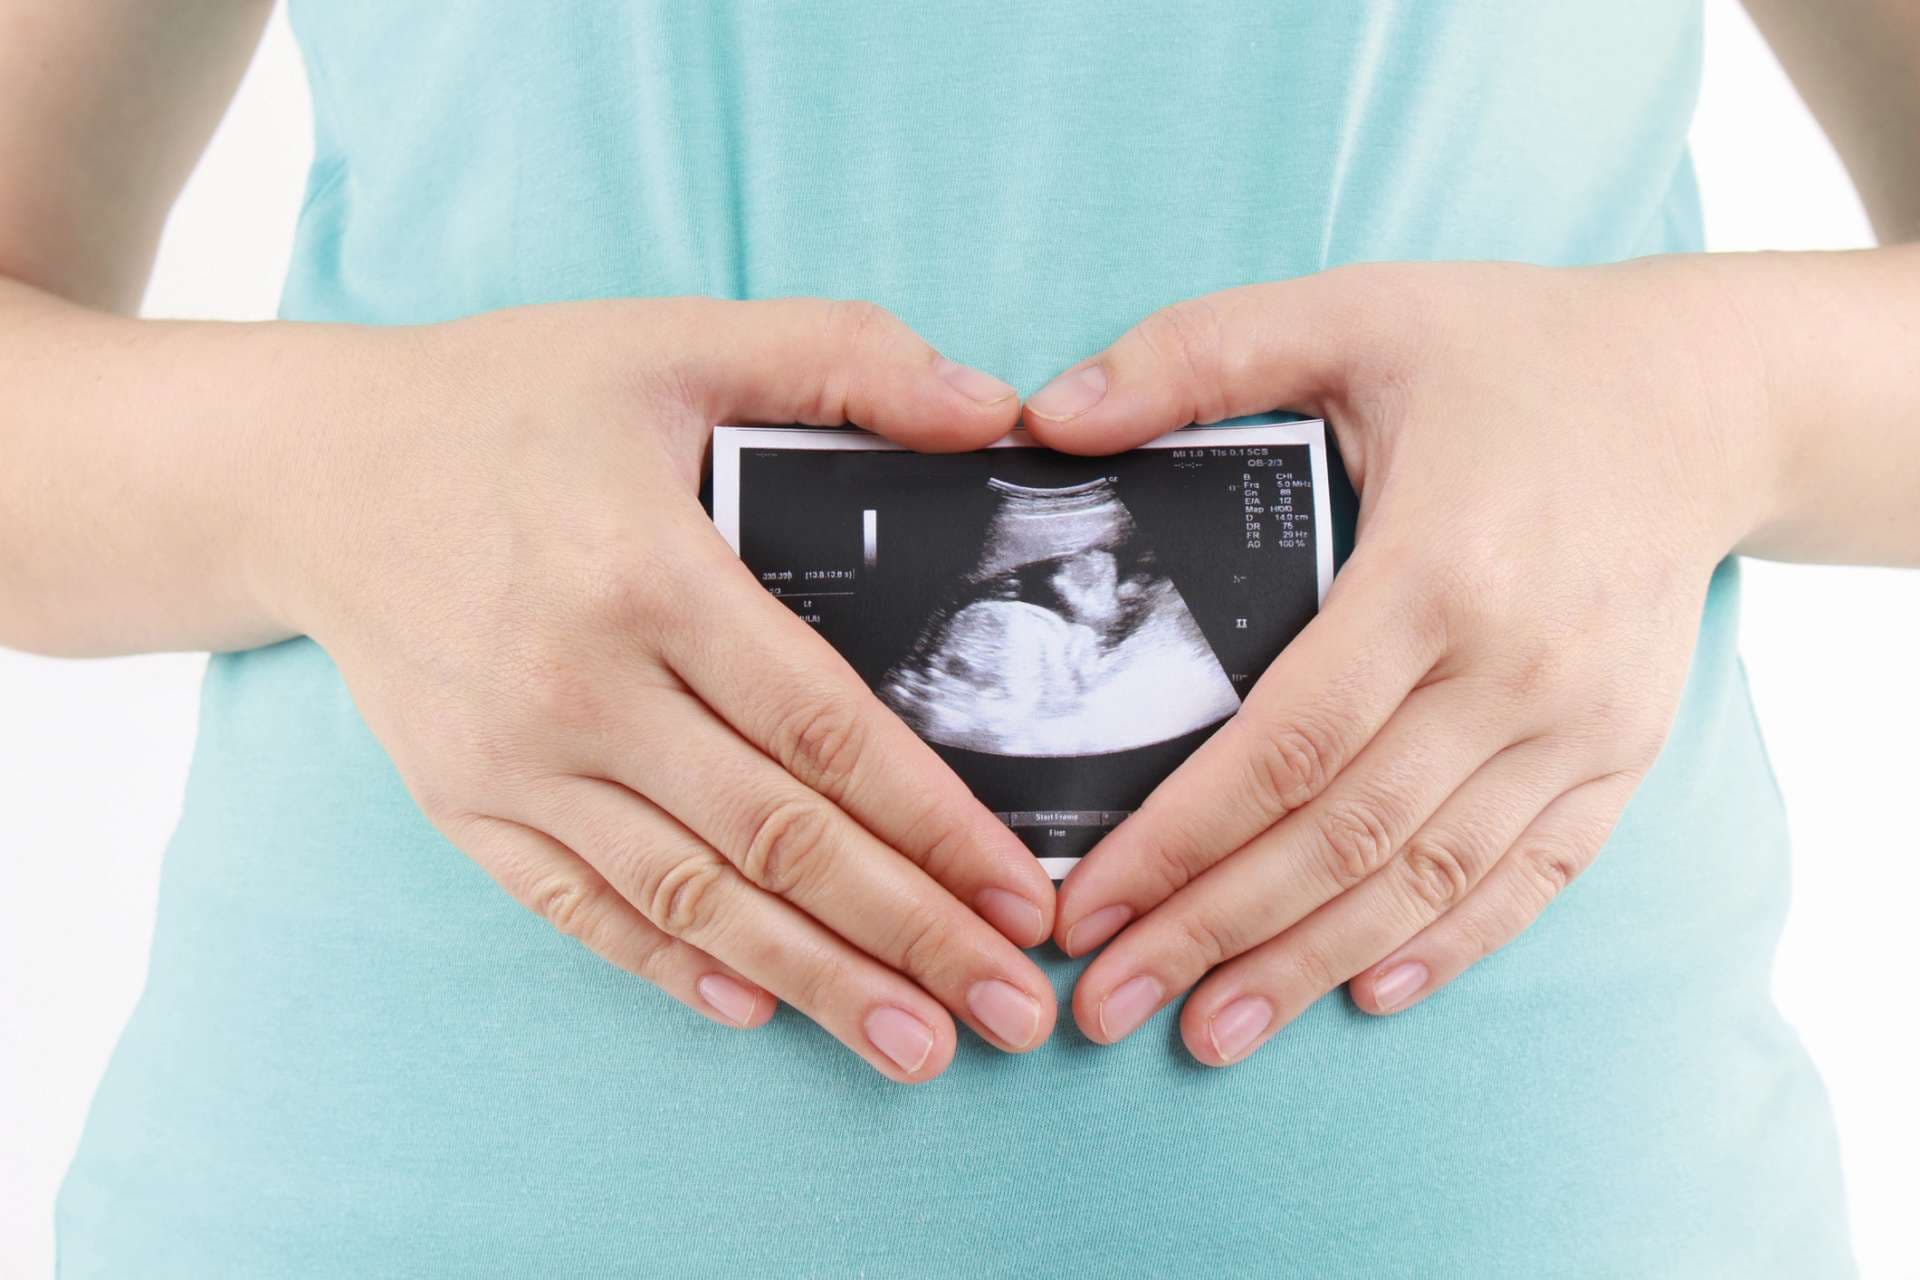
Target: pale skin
{"points": [[491, 526]]}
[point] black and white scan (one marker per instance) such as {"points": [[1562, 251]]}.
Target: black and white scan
{"points": [[1063, 631]]}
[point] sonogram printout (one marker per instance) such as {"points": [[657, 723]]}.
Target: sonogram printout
{"points": [[1062, 630]]}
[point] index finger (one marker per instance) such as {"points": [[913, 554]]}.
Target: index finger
{"points": [[785, 689], [1323, 699]]}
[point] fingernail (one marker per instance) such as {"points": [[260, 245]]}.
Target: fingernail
{"points": [[1399, 984], [1128, 1005], [1096, 928], [1011, 914], [1234, 1029], [1070, 395], [1005, 1010], [728, 998], [971, 383], [901, 1036]]}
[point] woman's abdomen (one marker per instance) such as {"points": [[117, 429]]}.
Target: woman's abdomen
{"points": [[356, 1056]]}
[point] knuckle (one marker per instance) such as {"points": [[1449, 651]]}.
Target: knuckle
{"points": [[1175, 859], [1210, 940], [1537, 671], [570, 903], [505, 759], [821, 743], [932, 827], [1550, 865], [1416, 613], [1466, 594], [925, 948], [479, 769], [560, 695], [853, 329], [650, 959], [854, 322], [1309, 967], [815, 985], [790, 838], [443, 799], [1478, 936], [941, 845], [1189, 338], [1439, 872], [683, 899], [1290, 765], [1356, 840], [1593, 718], [622, 593]]}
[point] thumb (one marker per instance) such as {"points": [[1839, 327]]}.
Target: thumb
{"points": [[823, 363], [1242, 351]]}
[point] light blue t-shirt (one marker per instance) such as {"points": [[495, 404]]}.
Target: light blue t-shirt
{"points": [[357, 1057]]}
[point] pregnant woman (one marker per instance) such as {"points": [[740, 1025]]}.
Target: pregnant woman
{"points": [[489, 686]]}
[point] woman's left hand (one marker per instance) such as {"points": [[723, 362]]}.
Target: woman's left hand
{"points": [[1550, 463]]}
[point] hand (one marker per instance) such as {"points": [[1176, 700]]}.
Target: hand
{"points": [[589, 694], [1547, 482]]}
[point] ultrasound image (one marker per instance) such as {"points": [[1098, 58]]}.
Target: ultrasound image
{"points": [[1066, 639], [1063, 631]]}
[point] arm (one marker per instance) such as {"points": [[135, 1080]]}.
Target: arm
{"points": [[1857, 64], [1837, 335], [601, 707], [148, 471], [115, 532], [87, 177], [1833, 399]]}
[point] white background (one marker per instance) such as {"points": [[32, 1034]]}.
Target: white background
{"points": [[93, 755]]}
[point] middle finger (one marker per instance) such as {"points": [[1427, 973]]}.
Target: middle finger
{"points": [[795, 843]]}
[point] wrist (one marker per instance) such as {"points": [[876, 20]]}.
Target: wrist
{"points": [[1714, 353], [327, 450]]}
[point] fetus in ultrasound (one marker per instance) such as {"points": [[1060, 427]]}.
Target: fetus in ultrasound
{"points": [[1065, 639]]}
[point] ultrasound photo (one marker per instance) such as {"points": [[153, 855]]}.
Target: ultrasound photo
{"points": [[1063, 631], [1065, 639]]}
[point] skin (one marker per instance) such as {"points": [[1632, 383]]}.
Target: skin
{"points": [[490, 526], [1550, 462], [1451, 740]]}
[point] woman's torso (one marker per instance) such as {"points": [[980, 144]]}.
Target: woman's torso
{"points": [[356, 1056]]}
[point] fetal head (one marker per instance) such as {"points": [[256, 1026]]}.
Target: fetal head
{"points": [[1088, 585]]}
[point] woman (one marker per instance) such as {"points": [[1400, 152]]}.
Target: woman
{"points": [[475, 634]]}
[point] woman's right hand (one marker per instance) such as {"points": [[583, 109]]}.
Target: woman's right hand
{"points": [[590, 695]]}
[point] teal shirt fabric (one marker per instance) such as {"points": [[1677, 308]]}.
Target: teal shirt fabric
{"points": [[355, 1056]]}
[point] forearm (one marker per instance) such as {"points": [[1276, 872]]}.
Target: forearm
{"points": [[1828, 345], [1853, 61], [154, 475]]}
